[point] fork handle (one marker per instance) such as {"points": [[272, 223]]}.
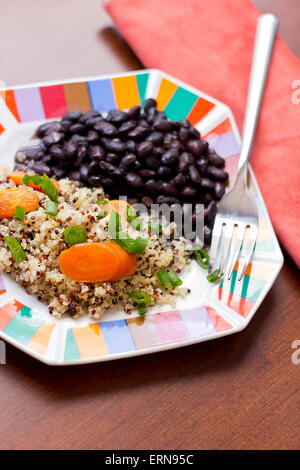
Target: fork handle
{"points": [[267, 25]]}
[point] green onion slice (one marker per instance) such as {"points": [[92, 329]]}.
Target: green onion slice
{"points": [[36, 179], [129, 244], [102, 215], [142, 299], [142, 308], [163, 277], [136, 224], [154, 227], [202, 257], [19, 213], [51, 207], [114, 224], [174, 279], [17, 251], [214, 276], [49, 188], [102, 201], [131, 215], [74, 234]]}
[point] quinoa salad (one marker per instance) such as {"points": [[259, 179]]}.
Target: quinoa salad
{"points": [[41, 237]]}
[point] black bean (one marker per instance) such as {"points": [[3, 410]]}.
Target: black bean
{"points": [[144, 148], [164, 172], [201, 164], [212, 210], [194, 175], [215, 159], [34, 154], [185, 161], [196, 147], [112, 158], [183, 133], [207, 197], [117, 116], [90, 123], [169, 189], [170, 156], [110, 170], [149, 103], [55, 126], [219, 190], [216, 173], [156, 137], [189, 192], [158, 152], [79, 139], [52, 138], [41, 168], [93, 168], [72, 116], [151, 115], [74, 175], [206, 183], [134, 180], [132, 200], [180, 180], [127, 161], [114, 146], [84, 173], [195, 133], [166, 200], [60, 173], [152, 162], [130, 145], [41, 130], [147, 174], [137, 166], [47, 159], [147, 201], [127, 127], [139, 133], [154, 187], [163, 125], [134, 112], [105, 128], [81, 153], [106, 182], [95, 180], [92, 136], [91, 113], [71, 149], [96, 151], [185, 123], [77, 128], [66, 125], [57, 152]]}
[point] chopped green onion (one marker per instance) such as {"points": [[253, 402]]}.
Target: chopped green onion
{"points": [[51, 207], [137, 245], [214, 276], [154, 227], [19, 213], [74, 234], [17, 251], [36, 179], [174, 279], [49, 188], [102, 201], [102, 215], [202, 257], [129, 244], [131, 215], [142, 299], [163, 277], [136, 224]]}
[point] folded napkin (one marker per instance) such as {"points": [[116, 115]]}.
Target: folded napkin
{"points": [[209, 45]]}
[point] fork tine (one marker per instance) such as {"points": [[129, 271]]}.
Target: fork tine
{"points": [[235, 249], [217, 232], [247, 251], [227, 237]]}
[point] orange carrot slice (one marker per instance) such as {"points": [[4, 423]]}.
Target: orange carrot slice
{"points": [[90, 262], [17, 178], [13, 197], [127, 263]]}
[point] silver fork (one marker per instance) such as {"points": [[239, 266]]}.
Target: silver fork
{"points": [[236, 223]]}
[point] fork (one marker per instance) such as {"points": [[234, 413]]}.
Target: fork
{"points": [[236, 223]]}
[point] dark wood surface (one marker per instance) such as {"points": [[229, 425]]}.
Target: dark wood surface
{"points": [[238, 392]]}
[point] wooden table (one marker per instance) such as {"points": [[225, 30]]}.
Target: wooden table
{"points": [[238, 392]]}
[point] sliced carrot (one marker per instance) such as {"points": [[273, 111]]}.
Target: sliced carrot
{"points": [[89, 262], [127, 263], [120, 206], [12, 197], [17, 178]]}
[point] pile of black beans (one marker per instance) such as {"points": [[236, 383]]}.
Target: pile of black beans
{"points": [[139, 153]]}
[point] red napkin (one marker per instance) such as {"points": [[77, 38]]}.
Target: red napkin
{"points": [[209, 45]]}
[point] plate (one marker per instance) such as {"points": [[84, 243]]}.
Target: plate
{"points": [[210, 311]]}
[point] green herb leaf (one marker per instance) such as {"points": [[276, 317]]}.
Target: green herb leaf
{"points": [[174, 279], [49, 188], [102, 215], [51, 207], [202, 257], [74, 234], [214, 276], [36, 179], [102, 201], [114, 224], [19, 213], [131, 215], [154, 227], [136, 224], [163, 276], [17, 251]]}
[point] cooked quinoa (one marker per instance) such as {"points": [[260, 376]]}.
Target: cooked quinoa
{"points": [[41, 237]]}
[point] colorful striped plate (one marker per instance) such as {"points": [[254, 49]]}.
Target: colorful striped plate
{"points": [[209, 311]]}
